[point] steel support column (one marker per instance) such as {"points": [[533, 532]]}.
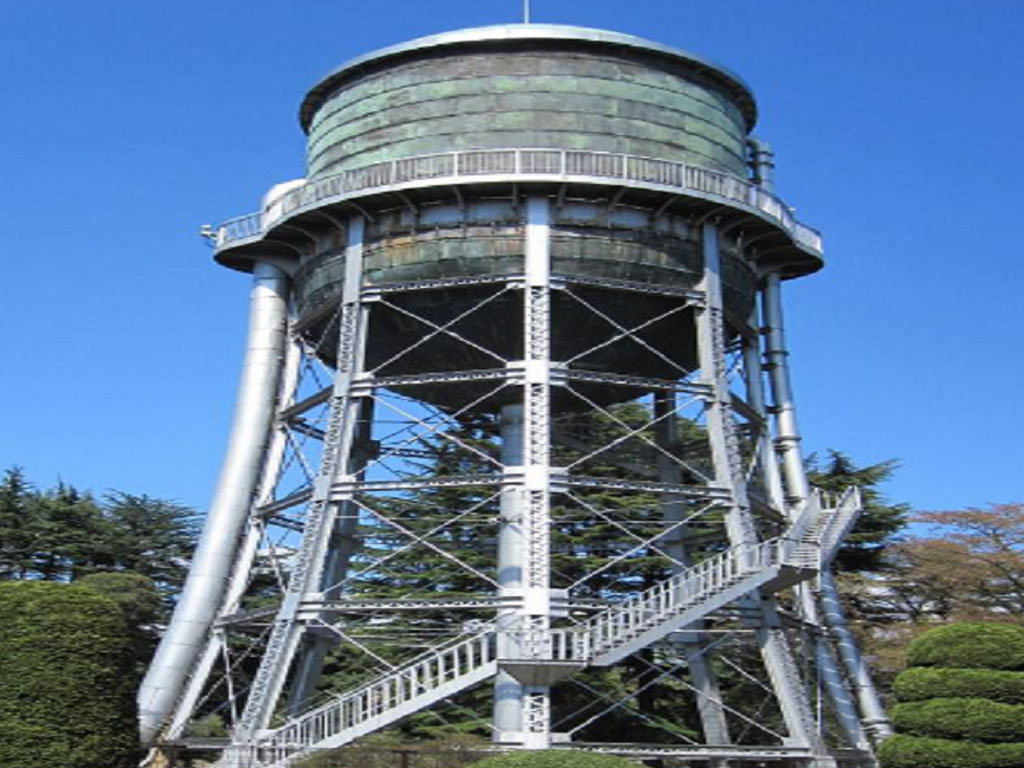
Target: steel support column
{"points": [[725, 450], [308, 573], [522, 712], [508, 692], [341, 545]]}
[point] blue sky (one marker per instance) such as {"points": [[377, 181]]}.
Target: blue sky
{"points": [[127, 125]]}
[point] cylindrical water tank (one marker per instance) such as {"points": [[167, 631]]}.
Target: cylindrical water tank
{"points": [[528, 86], [435, 143]]}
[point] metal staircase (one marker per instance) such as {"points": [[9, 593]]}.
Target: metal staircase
{"points": [[427, 679], [824, 522], [691, 595], [838, 518], [604, 639]]}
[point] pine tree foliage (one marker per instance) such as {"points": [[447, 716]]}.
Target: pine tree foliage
{"points": [[64, 534], [864, 547], [605, 546]]}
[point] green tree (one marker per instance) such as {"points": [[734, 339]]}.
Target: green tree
{"points": [[591, 552], [150, 536], [71, 533], [16, 534], [67, 682], [598, 549], [963, 565], [865, 546], [64, 534]]}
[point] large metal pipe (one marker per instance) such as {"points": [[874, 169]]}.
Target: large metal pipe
{"points": [[214, 557], [762, 163], [777, 362], [754, 379], [856, 669]]}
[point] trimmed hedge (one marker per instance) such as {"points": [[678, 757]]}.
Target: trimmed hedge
{"points": [[554, 758], [991, 646], [903, 751], [970, 719], [67, 679], [919, 683]]}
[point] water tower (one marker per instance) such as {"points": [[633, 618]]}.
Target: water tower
{"points": [[515, 443]]}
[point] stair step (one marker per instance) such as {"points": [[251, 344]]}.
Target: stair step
{"points": [[686, 597]]}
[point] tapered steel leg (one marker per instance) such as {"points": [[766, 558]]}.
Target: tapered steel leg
{"points": [[339, 441], [775, 650]]}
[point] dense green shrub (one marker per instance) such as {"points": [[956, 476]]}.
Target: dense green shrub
{"points": [[992, 646], [961, 702], [919, 683], [554, 758], [903, 751], [970, 719], [67, 683]]}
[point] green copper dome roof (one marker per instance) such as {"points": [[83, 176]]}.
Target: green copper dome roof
{"points": [[505, 33]]}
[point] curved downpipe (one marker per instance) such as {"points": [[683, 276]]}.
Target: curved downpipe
{"points": [[212, 562]]}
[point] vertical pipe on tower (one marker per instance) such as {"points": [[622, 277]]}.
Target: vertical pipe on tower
{"points": [[762, 163], [214, 558], [856, 670], [754, 380], [247, 550], [777, 357]]}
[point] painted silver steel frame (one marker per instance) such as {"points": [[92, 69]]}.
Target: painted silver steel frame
{"points": [[522, 710], [740, 379]]}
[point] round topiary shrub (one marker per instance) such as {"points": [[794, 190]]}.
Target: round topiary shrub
{"points": [[919, 683], [902, 751], [961, 702], [991, 646], [554, 758], [955, 718]]}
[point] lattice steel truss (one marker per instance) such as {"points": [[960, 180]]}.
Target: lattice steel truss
{"points": [[515, 448], [549, 521]]}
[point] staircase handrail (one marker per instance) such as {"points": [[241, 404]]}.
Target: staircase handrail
{"points": [[809, 515], [681, 590], [847, 509], [485, 636]]}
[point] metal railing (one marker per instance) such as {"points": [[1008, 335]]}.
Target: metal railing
{"points": [[465, 661], [672, 596], [656, 605], [391, 693], [846, 509], [562, 163]]}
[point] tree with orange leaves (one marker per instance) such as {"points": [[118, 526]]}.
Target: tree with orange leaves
{"points": [[968, 565]]}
